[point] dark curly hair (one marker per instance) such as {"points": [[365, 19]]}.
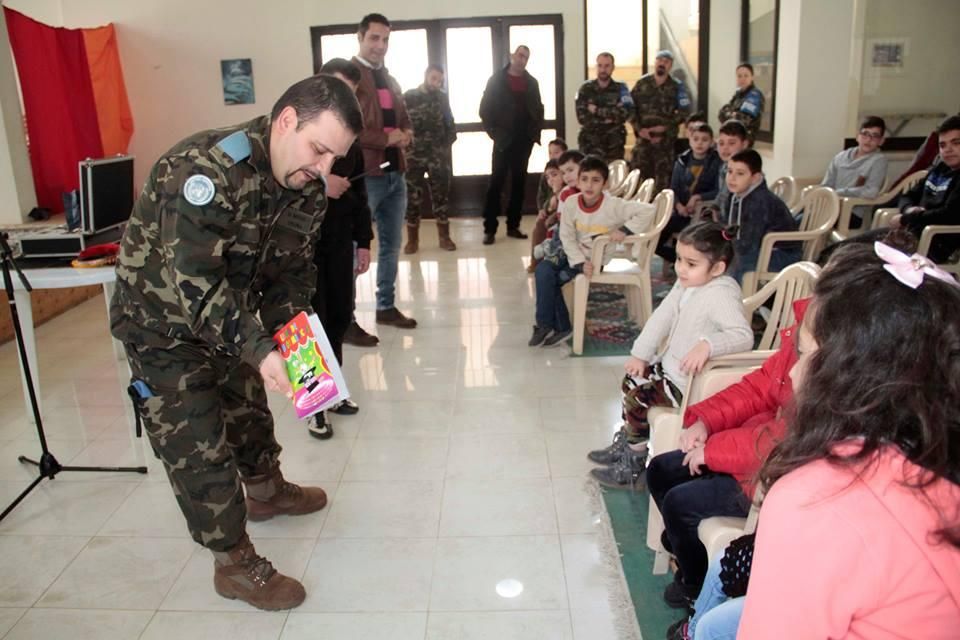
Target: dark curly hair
{"points": [[887, 371]]}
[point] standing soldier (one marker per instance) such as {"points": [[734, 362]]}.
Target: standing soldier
{"points": [[218, 256], [603, 106], [662, 103], [433, 132]]}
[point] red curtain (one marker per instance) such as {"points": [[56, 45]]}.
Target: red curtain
{"points": [[58, 104], [109, 91]]}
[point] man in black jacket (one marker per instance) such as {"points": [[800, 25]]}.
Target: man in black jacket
{"points": [[936, 200], [347, 222], [512, 115]]}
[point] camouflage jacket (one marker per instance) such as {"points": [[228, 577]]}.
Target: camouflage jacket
{"points": [[666, 104], [433, 127], [614, 106], [746, 105], [225, 264]]}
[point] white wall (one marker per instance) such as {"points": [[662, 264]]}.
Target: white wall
{"points": [[724, 55], [17, 191], [171, 51], [927, 81]]}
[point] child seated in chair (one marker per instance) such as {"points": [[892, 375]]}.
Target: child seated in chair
{"points": [[547, 216], [859, 172], [583, 217], [544, 233], [754, 212], [702, 316], [859, 530], [694, 181], [731, 140]]}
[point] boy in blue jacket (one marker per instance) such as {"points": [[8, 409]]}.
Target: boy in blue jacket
{"points": [[755, 211]]}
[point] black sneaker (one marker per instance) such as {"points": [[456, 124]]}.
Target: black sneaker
{"points": [[319, 426], [539, 335], [488, 238], [516, 233], [625, 472], [557, 337], [614, 452], [345, 407], [680, 595]]}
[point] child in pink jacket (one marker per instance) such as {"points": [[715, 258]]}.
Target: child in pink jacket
{"points": [[859, 533]]}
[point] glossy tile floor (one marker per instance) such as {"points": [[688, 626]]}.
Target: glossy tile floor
{"points": [[458, 508]]}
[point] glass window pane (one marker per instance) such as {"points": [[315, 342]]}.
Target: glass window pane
{"points": [[469, 66], [761, 54], [542, 64], [342, 45], [538, 157], [618, 36], [407, 57], [471, 154], [675, 26]]}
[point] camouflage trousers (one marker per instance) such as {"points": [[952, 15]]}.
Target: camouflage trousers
{"points": [[435, 186], [606, 145], [209, 423], [654, 160]]}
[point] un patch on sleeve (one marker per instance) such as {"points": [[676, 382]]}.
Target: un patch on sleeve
{"points": [[198, 190]]}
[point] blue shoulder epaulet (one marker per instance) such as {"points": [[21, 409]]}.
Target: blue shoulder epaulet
{"points": [[235, 146]]}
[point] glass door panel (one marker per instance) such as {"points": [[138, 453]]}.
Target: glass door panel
{"points": [[542, 65], [469, 66]]}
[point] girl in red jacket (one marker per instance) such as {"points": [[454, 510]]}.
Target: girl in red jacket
{"points": [[725, 440]]}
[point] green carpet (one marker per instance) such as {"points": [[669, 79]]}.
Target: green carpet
{"points": [[628, 517]]}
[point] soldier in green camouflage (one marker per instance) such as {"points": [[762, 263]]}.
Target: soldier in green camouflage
{"points": [[662, 103], [216, 257], [433, 133], [603, 106]]}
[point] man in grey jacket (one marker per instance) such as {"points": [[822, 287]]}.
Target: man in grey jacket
{"points": [[859, 172]]}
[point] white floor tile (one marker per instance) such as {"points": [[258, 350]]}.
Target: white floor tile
{"points": [[355, 626], [8, 618], [521, 506], [208, 624], [80, 625], [503, 625], [369, 575], [405, 458], [494, 573], [567, 452], [385, 510], [120, 573], [63, 507], [497, 456], [30, 564], [399, 420], [577, 512]]}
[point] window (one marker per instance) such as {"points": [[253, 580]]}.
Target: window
{"points": [[758, 46]]}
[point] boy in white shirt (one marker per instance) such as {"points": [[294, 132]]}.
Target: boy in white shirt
{"points": [[583, 217]]}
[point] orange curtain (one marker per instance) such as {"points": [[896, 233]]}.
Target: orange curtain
{"points": [[109, 92]]}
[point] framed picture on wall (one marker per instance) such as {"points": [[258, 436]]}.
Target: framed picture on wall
{"points": [[237, 78], [886, 55]]}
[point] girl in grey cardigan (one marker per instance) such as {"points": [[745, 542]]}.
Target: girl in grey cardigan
{"points": [[701, 317]]}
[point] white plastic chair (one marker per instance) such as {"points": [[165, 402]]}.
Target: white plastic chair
{"points": [[933, 230], [785, 188], [628, 186], [618, 173], [843, 230], [821, 207], [632, 272], [645, 191]]}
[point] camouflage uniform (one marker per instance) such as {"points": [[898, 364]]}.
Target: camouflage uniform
{"points": [[200, 291], [746, 105], [664, 105], [602, 133], [433, 133]]}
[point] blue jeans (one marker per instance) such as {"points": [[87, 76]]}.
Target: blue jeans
{"points": [[551, 309], [779, 259], [716, 616], [684, 501], [387, 197]]}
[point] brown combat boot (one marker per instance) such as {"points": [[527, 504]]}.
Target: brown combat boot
{"points": [[413, 239], [446, 243], [241, 574], [270, 495]]}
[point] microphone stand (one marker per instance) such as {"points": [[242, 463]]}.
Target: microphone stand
{"points": [[48, 465]]}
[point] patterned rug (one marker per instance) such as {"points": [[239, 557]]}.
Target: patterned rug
{"points": [[610, 330]]}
